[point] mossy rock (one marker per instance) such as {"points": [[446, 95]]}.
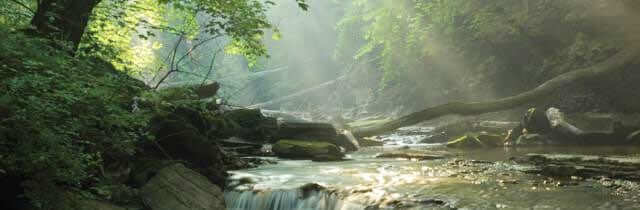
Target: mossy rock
{"points": [[477, 141], [248, 118], [145, 169], [366, 142], [177, 187], [314, 150], [535, 121]]}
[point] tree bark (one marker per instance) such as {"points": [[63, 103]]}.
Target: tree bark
{"points": [[64, 20], [612, 65]]}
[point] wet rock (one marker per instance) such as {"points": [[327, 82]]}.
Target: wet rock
{"points": [[310, 188], [411, 155], [368, 142], [306, 130], [532, 139], [181, 135], [245, 117], [145, 169], [303, 149], [508, 181], [178, 188], [627, 168], [249, 124], [490, 140], [535, 121], [321, 132], [559, 170], [247, 162]]}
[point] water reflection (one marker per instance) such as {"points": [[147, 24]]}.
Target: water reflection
{"points": [[475, 179]]}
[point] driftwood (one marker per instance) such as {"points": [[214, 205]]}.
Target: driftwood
{"points": [[612, 65]]}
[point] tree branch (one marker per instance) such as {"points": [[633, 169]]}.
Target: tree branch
{"points": [[24, 6]]}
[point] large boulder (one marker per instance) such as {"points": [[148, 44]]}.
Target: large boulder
{"points": [[302, 149], [180, 136], [178, 188], [323, 132], [248, 124], [535, 121]]}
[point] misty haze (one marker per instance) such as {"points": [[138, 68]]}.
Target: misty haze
{"points": [[319, 104]]}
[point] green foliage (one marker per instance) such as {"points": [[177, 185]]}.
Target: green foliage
{"points": [[14, 13], [455, 47], [64, 115]]}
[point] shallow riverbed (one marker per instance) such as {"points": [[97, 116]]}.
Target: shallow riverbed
{"points": [[477, 179]]}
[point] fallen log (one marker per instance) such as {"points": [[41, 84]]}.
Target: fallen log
{"points": [[614, 64]]}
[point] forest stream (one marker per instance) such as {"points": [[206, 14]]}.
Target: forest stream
{"points": [[477, 179]]}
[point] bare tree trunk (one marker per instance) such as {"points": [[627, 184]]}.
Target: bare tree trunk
{"points": [[64, 20], [613, 65]]}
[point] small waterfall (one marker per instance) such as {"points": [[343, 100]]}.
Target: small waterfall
{"points": [[295, 199]]}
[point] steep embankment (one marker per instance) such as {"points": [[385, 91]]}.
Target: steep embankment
{"points": [[77, 134]]}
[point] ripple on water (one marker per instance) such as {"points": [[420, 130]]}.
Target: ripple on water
{"points": [[455, 181]]}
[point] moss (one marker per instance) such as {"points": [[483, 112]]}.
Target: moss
{"points": [[315, 150], [365, 142], [247, 118]]}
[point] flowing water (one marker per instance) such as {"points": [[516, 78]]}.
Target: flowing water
{"points": [[478, 179]]}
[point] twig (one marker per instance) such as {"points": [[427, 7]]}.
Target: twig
{"points": [[173, 58]]}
